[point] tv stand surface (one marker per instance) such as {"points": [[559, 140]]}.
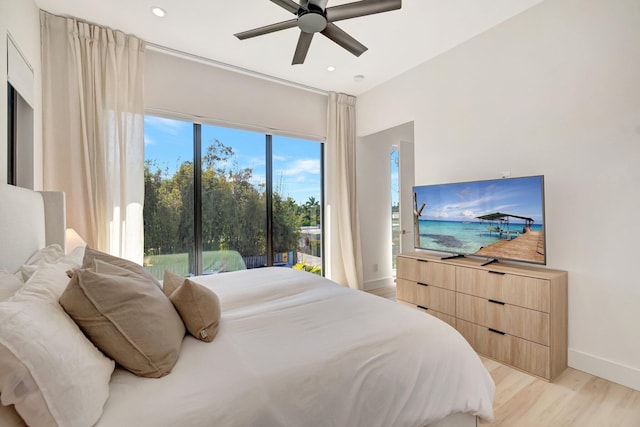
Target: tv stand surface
{"points": [[511, 313]]}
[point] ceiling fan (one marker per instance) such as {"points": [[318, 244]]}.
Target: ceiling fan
{"points": [[314, 17]]}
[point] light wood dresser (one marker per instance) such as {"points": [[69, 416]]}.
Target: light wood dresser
{"points": [[511, 313]]}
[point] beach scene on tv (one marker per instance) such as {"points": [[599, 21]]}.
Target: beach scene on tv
{"points": [[496, 219]]}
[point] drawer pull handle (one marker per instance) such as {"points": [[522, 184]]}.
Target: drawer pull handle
{"points": [[496, 302], [423, 284], [499, 273], [423, 260], [423, 307], [495, 331]]}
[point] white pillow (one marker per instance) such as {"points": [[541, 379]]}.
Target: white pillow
{"points": [[47, 283], [47, 257], [48, 369], [9, 284], [74, 257]]}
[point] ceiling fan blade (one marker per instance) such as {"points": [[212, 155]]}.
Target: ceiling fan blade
{"points": [[361, 8], [304, 41], [337, 35], [267, 29], [290, 5]]}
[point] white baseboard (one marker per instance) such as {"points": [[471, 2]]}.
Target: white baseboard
{"points": [[613, 371], [378, 283]]}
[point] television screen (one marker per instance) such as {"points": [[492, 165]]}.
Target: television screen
{"points": [[495, 219]]}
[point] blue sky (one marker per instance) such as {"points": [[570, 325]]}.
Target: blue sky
{"points": [[395, 176], [296, 162], [465, 201]]}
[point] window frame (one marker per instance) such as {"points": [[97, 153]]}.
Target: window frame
{"points": [[197, 190]]}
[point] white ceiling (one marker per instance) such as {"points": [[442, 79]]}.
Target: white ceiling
{"points": [[397, 40]]}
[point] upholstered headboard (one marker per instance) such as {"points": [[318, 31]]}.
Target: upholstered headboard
{"points": [[29, 220]]}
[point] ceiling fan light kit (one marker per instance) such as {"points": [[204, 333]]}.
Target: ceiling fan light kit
{"points": [[314, 17]]}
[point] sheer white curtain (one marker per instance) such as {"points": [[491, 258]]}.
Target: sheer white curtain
{"points": [[93, 137], [343, 231]]}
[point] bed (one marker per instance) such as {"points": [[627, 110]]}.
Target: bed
{"points": [[292, 349]]}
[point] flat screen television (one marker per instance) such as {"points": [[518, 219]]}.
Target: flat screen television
{"points": [[499, 219]]}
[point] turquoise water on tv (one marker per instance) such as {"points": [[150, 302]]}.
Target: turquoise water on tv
{"points": [[462, 237]]}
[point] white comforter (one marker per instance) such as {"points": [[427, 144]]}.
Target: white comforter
{"points": [[294, 349]]}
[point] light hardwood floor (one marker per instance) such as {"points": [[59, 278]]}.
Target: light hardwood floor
{"points": [[575, 398]]}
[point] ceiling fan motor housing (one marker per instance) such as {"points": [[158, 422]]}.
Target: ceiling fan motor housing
{"points": [[313, 19]]}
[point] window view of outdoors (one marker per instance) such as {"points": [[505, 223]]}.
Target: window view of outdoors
{"points": [[297, 231], [395, 207], [232, 200], [168, 197]]}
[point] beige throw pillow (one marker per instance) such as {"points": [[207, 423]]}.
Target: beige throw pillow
{"points": [[90, 254], [127, 317], [198, 306]]}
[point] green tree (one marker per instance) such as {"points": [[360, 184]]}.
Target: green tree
{"points": [[233, 208], [233, 216], [310, 212], [286, 224], [162, 211]]}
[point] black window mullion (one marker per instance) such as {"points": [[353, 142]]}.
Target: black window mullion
{"points": [[269, 198], [197, 198], [11, 134], [322, 230]]}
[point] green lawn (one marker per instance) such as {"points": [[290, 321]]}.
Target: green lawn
{"points": [[179, 263]]}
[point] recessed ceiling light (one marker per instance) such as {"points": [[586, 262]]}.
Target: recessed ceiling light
{"points": [[358, 78], [158, 11], [331, 68]]}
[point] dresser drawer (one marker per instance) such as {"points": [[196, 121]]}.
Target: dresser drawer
{"points": [[407, 268], [521, 322], [530, 357], [435, 298], [406, 290], [523, 291], [437, 274], [492, 344], [427, 272], [444, 317], [517, 352]]}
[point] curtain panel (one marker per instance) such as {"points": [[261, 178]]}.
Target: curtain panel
{"points": [[93, 135], [342, 225]]}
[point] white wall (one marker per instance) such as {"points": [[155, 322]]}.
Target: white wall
{"points": [[373, 158], [185, 86], [21, 19], [553, 91]]}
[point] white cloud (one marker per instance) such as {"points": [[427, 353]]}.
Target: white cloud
{"points": [[468, 214], [440, 214], [302, 166], [148, 141]]}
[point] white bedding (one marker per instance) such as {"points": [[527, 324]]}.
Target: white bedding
{"points": [[294, 349]]}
